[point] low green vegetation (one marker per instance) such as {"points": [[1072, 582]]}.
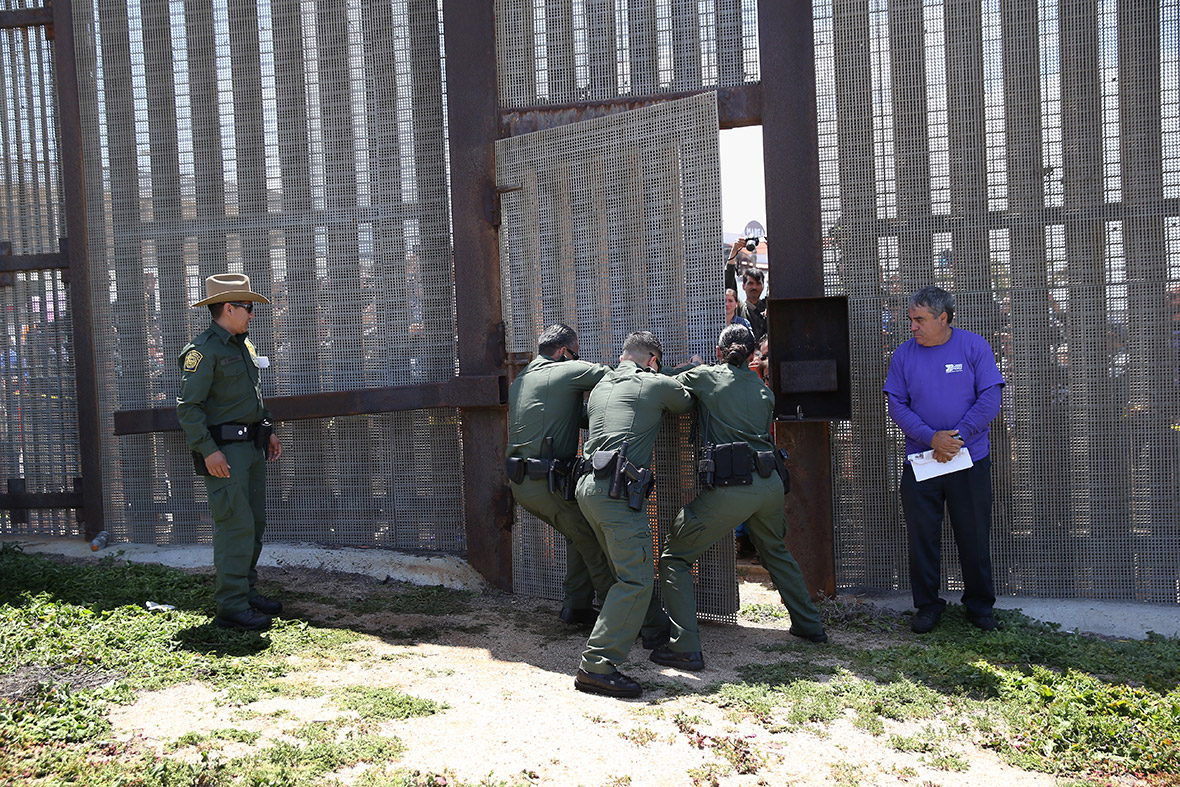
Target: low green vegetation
{"points": [[1046, 700], [77, 637]]}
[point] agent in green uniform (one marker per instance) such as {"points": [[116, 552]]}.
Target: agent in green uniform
{"points": [[227, 427], [740, 408], [544, 411], [625, 412]]}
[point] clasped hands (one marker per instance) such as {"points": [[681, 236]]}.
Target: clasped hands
{"points": [[946, 444]]}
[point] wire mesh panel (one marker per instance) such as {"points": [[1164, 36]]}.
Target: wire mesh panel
{"points": [[38, 419], [1023, 155], [563, 51], [615, 228], [302, 143]]}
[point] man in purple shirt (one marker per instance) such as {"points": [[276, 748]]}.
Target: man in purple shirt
{"points": [[943, 389]]}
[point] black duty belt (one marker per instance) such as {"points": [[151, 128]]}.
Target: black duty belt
{"points": [[235, 433], [734, 464], [559, 473]]}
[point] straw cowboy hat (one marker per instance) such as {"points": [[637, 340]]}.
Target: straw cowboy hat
{"points": [[225, 287]]}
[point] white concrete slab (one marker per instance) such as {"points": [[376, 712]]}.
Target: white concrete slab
{"points": [[1128, 619], [445, 570]]}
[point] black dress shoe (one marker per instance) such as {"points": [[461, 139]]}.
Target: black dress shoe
{"points": [[616, 684], [819, 636], [925, 621], [985, 622], [658, 641], [579, 617], [690, 660], [267, 606], [247, 620]]}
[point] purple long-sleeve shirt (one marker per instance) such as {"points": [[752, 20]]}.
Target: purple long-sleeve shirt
{"points": [[954, 385]]}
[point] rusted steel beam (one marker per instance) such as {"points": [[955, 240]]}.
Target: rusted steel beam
{"points": [[809, 505], [19, 500], [790, 143], [488, 391], [736, 106], [25, 17], [472, 109], [74, 195], [18, 263]]}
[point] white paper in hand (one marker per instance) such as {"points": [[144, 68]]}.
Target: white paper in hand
{"points": [[926, 466]]}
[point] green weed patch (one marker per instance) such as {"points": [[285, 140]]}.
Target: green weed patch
{"points": [[1049, 701]]}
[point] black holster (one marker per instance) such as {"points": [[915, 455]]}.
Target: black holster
{"points": [[265, 430], [571, 480], [640, 482], [559, 476], [514, 469], [774, 461]]}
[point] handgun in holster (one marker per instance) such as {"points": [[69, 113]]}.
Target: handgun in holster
{"points": [[640, 482], [571, 480]]}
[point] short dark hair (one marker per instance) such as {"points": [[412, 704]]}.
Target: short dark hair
{"points": [[644, 342], [936, 299], [736, 343], [756, 274], [556, 336], [216, 309]]}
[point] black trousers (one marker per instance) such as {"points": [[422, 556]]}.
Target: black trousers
{"points": [[967, 497]]}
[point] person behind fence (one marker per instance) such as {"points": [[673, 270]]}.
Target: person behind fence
{"points": [[625, 411], [544, 412], [731, 309], [943, 390], [228, 429], [753, 308], [743, 478]]}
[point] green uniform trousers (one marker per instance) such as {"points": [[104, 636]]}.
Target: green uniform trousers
{"points": [[238, 505], [587, 570], [625, 535], [711, 516]]}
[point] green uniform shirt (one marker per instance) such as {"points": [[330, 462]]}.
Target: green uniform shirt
{"points": [[629, 404], [545, 400], [218, 385], [741, 407]]}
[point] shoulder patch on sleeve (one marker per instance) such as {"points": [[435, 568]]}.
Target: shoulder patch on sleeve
{"points": [[192, 360]]}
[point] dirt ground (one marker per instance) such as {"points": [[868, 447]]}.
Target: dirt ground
{"points": [[505, 669]]}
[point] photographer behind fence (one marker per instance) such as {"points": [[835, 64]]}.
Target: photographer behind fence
{"points": [[743, 479], [753, 308]]}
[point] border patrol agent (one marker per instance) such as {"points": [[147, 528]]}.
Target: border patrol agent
{"points": [[743, 478], [625, 412], [544, 411], [227, 427]]}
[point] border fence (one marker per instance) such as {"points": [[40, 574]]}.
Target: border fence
{"points": [[1024, 154]]}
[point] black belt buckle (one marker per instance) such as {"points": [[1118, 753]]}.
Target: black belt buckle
{"points": [[233, 433]]}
